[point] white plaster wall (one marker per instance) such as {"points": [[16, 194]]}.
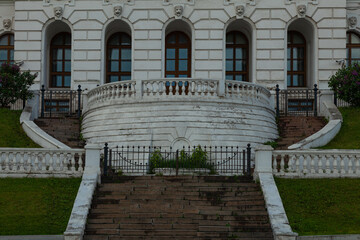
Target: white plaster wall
{"points": [[163, 121], [207, 20]]}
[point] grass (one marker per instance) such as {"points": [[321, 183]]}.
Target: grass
{"points": [[36, 206], [11, 132], [321, 206], [348, 137]]}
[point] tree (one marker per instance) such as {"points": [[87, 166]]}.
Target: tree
{"points": [[14, 84], [346, 84]]}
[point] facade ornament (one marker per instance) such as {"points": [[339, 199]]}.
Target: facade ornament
{"points": [[178, 11], [240, 11], [301, 9], [58, 2], [7, 24], [58, 12], [117, 11], [240, 2], [352, 22]]}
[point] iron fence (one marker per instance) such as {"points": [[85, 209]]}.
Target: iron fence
{"points": [[18, 105], [303, 102], [339, 102], [168, 161], [57, 103]]}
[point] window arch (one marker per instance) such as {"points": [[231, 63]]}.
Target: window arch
{"points": [[7, 49], [352, 48], [60, 60], [296, 60], [118, 57], [237, 56], [177, 55]]}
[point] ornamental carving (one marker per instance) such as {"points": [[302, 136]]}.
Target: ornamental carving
{"points": [[7, 24], [352, 22], [240, 2], [58, 2]]}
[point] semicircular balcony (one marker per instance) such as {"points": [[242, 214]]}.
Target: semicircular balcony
{"points": [[177, 112]]}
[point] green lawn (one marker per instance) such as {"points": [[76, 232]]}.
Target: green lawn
{"points": [[349, 135], [321, 206], [11, 132], [36, 206]]}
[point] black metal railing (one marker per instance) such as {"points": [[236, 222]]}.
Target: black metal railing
{"points": [[56, 103], [290, 102], [339, 102], [168, 161]]}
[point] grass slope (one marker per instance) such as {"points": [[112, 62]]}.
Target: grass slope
{"points": [[36, 206], [11, 132], [321, 206], [349, 135]]}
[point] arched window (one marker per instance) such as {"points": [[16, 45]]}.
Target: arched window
{"points": [[118, 57], [60, 61], [7, 49], [237, 56], [296, 60], [353, 48], [177, 55]]}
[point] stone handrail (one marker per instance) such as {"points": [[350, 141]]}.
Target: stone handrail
{"points": [[117, 90], [34, 161], [244, 89], [316, 163], [172, 87]]}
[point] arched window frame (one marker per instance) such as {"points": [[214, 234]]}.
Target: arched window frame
{"points": [[233, 46], [121, 46], [7, 48], [290, 59], [64, 46], [350, 46], [177, 46]]}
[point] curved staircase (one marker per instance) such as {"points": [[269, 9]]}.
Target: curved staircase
{"points": [[186, 207]]}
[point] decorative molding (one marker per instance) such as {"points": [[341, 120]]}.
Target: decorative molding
{"points": [[352, 21], [178, 2], [58, 2], [240, 2], [302, 2], [119, 2]]}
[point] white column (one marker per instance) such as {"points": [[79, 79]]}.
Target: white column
{"points": [[263, 156]]}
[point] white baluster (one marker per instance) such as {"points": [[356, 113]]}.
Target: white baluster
{"points": [[343, 164], [21, 167], [282, 164], [337, 168], [327, 164], [312, 164], [350, 165], [73, 162], [81, 162], [274, 164], [51, 162], [291, 163], [357, 164]]}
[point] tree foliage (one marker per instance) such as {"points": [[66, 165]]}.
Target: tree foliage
{"points": [[14, 84], [346, 84]]}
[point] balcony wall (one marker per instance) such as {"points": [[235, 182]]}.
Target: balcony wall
{"points": [[165, 113]]}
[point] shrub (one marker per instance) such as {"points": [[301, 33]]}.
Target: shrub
{"points": [[346, 84], [14, 84]]}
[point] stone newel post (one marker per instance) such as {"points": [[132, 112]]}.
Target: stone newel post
{"points": [[263, 156]]}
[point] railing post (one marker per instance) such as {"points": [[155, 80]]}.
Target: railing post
{"points": [[106, 149], [315, 99], [248, 149], [42, 101], [79, 101], [51, 105], [335, 97], [177, 162], [307, 102], [277, 100]]}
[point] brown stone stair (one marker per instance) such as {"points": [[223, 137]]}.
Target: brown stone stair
{"points": [[186, 207], [66, 130], [293, 129]]}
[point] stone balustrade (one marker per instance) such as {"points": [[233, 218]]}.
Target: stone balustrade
{"points": [[172, 87], [18, 162], [316, 163]]}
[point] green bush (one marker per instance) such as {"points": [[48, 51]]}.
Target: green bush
{"points": [[346, 83], [14, 84]]}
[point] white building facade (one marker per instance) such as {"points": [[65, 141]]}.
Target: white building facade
{"points": [[292, 43]]}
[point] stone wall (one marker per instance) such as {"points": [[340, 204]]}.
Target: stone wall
{"points": [[265, 23]]}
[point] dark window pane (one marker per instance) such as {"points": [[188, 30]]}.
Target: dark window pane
{"points": [[170, 65], [172, 39], [183, 53], [355, 52], [170, 75], [67, 81], [126, 54], [3, 54], [126, 40], [124, 78], [230, 38], [57, 66], [295, 81], [12, 40], [182, 38], [126, 66], [229, 53], [58, 40], [170, 53], [67, 39], [239, 77], [183, 65], [67, 67], [229, 65], [114, 67], [239, 39], [114, 54], [297, 38], [67, 54], [4, 40], [289, 53], [57, 54], [355, 39], [288, 80], [239, 66], [240, 53], [183, 76], [113, 78], [229, 77], [301, 81], [114, 40], [11, 55]]}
